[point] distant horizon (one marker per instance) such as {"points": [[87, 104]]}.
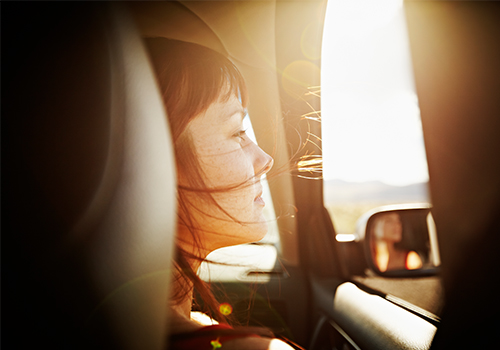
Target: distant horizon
{"points": [[341, 191], [375, 181]]}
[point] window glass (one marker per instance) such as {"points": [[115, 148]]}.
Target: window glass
{"points": [[373, 146], [242, 261]]}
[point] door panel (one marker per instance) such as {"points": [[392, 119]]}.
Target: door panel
{"points": [[369, 321]]}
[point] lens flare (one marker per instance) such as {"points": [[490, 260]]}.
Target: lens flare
{"points": [[216, 344], [310, 40], [298, 77], [225, 309]]}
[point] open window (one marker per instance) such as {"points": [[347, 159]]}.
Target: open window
{"points": [[373, 147]]}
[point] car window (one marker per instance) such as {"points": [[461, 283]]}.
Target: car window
{"points": [[373, 147], [243, 262], [374, 151]]}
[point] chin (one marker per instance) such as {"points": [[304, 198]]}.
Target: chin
{"points": [[247, 233], [254, 232], [260, 230], [263, 228]]}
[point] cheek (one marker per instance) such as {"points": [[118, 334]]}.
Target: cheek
{"points": [[226, 170], [236, 201]]}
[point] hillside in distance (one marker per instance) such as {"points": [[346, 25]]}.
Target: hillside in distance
{"points": [[339, 191]]}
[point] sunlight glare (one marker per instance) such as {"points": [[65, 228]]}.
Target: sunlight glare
{"points": [[370, 115], [345, 237], [358, 16]]}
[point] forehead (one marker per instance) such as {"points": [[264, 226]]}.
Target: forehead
{"points": [[392, 216], [221, 112]]}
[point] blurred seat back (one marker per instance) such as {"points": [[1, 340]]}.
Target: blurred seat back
{"points": [[89, 188]]}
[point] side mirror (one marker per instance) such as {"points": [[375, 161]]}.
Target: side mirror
{"points": [[400, 240]]}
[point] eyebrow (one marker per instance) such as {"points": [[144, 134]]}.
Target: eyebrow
{"points": [[228, 115]]}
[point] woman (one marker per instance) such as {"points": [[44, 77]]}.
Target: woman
{"points": [[387, 233], [219, 190]]}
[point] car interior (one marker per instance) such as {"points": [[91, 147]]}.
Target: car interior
{"points": [[89, 180]]}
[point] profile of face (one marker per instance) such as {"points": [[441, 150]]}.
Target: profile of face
{"points": [[229, 161], [393, 228]]}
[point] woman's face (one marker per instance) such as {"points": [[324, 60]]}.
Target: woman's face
{"points": [[393, 229], [227, 158]]}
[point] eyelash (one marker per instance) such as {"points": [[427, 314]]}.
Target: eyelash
{"points": [[241, 134]]}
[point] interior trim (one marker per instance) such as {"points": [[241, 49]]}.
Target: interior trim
{"points": [[428, 316], [345, 335], [372, 321]]}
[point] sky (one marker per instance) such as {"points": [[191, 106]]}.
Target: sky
{"points": [[369, 108]]}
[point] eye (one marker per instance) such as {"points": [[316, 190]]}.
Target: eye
{"points": [[241, 135]]}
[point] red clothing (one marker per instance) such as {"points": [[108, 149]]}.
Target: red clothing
{"points": [[213, 338], [209, 338]]}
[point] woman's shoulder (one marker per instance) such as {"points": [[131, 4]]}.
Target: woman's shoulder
{"points": [[222, 335], [199, 331], [257, 343]]}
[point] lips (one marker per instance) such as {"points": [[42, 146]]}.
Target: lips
{"points": [[259, 199]]}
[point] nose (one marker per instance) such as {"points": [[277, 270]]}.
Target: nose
{"points": [[269, 164], [263, 162]]}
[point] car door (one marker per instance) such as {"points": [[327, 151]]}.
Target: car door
{"points": [[348, 309], [459, 137]]}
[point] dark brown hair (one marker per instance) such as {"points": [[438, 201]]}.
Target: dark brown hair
{"points": [[191, 77]]}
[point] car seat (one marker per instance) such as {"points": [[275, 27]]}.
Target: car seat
{"points": [[89, 181]]}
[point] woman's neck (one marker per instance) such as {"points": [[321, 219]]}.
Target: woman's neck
{"points": [[181, 320], [183, 308], [182, 284]]}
